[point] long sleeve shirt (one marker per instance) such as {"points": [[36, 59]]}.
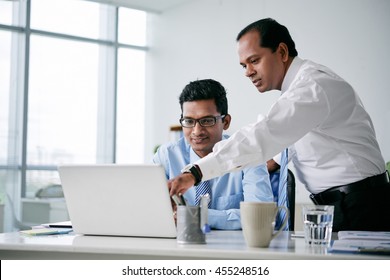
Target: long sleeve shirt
{"points": [[227, 191], [321, 119]]}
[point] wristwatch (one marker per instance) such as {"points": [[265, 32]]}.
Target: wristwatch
{"points": [[195, 171]]}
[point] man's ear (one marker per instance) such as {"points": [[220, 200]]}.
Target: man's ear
{"points": [[283, 50], [226, 121]]}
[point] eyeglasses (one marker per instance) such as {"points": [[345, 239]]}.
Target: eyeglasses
{"points": [[205, 122]]}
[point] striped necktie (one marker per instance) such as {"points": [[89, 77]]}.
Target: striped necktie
{"points": [[200, 190], [282, 192]]}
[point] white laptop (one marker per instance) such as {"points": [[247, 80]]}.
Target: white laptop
{"points": [[120, 200]]}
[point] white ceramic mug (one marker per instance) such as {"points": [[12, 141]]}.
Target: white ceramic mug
{"points": [[258, 221]]}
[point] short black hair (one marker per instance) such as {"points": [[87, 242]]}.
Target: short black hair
{"points": [[271, 35], [204, 90]]}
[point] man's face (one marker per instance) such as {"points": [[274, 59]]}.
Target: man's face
{"points": [[264, 68], [203, 139]]}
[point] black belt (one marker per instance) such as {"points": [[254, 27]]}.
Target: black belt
{"points": [[336, 193]]}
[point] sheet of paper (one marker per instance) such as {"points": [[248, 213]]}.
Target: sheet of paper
{"points": [[45, 231], [364, 235], [361, 246]]}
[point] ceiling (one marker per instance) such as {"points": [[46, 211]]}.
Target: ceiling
{"points": [[156, 6]]}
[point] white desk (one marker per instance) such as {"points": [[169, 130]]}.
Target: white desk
{"points": [[220, 245]]}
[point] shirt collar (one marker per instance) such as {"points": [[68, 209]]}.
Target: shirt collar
{"points": [[193, 156], [291, 73]]}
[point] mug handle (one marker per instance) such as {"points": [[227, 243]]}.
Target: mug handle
{"points": [[284, 222]]}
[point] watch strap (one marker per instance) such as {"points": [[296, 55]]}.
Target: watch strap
{"points": [[195, 171]]}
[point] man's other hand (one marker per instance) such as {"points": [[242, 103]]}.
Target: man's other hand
{"points": [[180, 184]]}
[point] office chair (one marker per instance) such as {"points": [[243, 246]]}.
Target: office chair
{"points": [[274, 178]]}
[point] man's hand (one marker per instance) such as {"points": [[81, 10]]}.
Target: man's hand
{"points": [[180, 184], [272, 166]]}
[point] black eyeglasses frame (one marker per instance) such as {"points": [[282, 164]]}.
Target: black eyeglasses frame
{"points": [[200, 121]]}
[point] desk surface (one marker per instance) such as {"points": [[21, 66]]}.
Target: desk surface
{"points": [[219, 245]]}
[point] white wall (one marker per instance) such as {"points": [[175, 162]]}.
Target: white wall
{"points": [[197, 40]]}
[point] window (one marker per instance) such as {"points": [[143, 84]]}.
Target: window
{"points": [[62, 107], [6, 12], [5, 66], [132, 29], [67, 17], [71, 91], [131, 107]]}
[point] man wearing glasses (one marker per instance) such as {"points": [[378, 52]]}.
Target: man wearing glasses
{"points": [[204, 117]]}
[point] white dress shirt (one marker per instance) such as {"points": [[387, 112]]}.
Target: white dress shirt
{"points": [[321, 119]]}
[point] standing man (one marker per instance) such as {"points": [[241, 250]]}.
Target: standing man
{"points": [[319, 118], [204, 117]]}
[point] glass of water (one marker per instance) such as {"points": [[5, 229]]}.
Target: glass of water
{"points": [[318, 223]]}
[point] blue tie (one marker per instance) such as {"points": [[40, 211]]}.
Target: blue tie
{"points": [[282, 192], [201, 189]]}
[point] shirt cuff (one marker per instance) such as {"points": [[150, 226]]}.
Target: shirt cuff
{"points": [[209, 167], [277, 158]]}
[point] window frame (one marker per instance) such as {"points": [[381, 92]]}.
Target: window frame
{"points": [[16, 166]]}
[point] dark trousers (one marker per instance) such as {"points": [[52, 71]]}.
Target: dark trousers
{"points": [[364, 206]]}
